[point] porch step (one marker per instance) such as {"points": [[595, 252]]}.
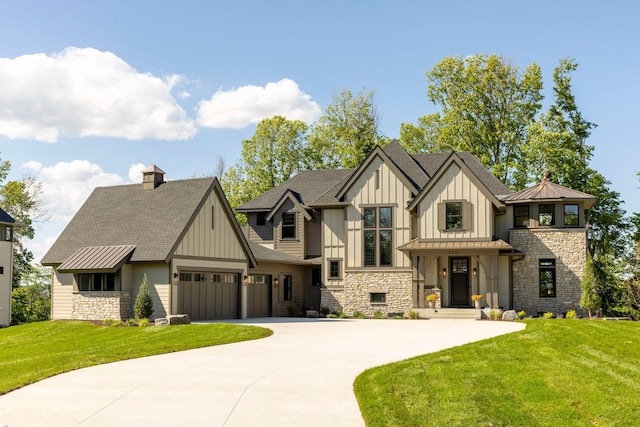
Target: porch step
{"points": [[448, 313]]}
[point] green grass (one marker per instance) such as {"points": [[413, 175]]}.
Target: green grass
{"points": [[32, 352], [554, 373]]}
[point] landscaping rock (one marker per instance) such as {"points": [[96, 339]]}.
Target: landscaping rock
{"points": [[162, 321], [312, 313], [179, 319], [510, 315]]}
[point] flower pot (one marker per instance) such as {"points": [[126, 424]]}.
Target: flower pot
{"points": [[478, 304], [431, 304]]}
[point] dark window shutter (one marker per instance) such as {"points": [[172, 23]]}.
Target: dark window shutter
{"points": [[466, 216], [442, 216]]}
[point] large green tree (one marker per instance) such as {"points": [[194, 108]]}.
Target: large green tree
{"points": [[486, 104], [346, 133], [31, 301]]}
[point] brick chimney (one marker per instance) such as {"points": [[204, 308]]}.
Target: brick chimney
{"points": [[152, 177]]}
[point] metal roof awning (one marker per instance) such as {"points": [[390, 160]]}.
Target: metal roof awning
{"points": [[106, 259], [435, 246]]}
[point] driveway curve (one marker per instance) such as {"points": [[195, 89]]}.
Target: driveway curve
{"points": [[300, 376]]}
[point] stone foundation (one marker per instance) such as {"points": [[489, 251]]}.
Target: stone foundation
{"points": [[101, 305], [355, 295], [569, 248]]}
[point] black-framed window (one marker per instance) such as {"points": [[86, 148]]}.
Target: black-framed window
{"points": [[547, 215], [521, 216], [377, 297], [453, 216], [571, 215], [287, 287], [378, 236], [261, 219], [334, 269], [97, 282], [289, 225], [547, 274]]}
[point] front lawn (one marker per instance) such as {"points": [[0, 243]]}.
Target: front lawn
{"points": [[554, 373], [32, 352]]}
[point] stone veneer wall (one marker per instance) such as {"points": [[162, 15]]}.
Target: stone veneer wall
{"points": [[569, 248], [354, 296], [101, 305]]}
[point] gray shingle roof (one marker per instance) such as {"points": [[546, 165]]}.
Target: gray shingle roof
{"points": [[153, 220], [406, 163], [308, 186], [264, 254]]}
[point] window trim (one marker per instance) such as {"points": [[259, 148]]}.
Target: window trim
{"points": [[377, 231], [284, 226], [551, 267], [330, 274], [515, 216], [287, 287], [372, 298], [261, 219], [553, 214], [577, 215], [90, 285], [447, 216]]}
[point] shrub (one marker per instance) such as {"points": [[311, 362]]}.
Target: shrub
{"points": [[378, 314], [413, 314], [397, 317], [112, 323], [495, 314], [143, 307], [331, 316], [143, 322], [548, 315], [359, 315], [571, 314], [325, 310], [522, 314], [131, 322], [342, 315], [589, 298]]}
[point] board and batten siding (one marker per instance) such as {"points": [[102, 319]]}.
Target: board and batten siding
{"points": [[313, 236], [333, 235], [5, 282], [211, 238], [390, 191], [61, 295], [454, 185], [294, 246]]}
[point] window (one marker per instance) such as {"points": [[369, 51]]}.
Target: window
{"points": [[288, 225], [454, 216], [1, 270], [334, 269], [377, 298], [7, 233], [571, 215], [261, 219], [213, 217], [521, 216], [547, 278], [377, 236], [97, 282], [287, 288], [185, 277], [547, 215]]}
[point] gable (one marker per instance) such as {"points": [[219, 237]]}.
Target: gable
{"points": [[287, 202]]}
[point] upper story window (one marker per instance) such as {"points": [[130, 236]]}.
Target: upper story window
{"points": [[261, 219], [288, 225], [521, 216], [377, 236], [571, 213], [97, 282], [454, 216], [547, 215]]}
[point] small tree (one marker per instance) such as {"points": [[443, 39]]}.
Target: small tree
{"points": [[143, 307], [589, 299]]}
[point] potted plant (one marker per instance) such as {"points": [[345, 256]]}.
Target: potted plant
{"points": [[431, 299], [477, 299]]}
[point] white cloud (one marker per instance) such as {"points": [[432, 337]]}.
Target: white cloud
{"points": [[135, 172], [87, 92], [66, 185], [238, 108]]}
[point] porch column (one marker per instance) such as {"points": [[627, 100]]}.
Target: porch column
{"points": [[418, 280]]}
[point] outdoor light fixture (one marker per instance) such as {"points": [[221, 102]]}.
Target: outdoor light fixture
{"points": [[246, 279], [175, 277], [475, 272], [275, 282], [444, 272]]}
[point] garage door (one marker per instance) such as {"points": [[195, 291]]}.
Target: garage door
{"points": [[258, 295], [209, 296]]}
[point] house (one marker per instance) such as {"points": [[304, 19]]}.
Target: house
{"points": [[7, 224], [400, 227], [181, 234]]}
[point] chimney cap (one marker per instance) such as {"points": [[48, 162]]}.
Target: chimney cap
{"points": [[153, 169]]}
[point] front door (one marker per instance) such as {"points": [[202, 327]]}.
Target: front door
{"points": [[459, 281]]}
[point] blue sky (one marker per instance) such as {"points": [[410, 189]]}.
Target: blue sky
{"points": [[90, 91]]}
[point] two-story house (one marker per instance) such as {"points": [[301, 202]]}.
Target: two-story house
{"points": [[7, 224], [399, 227]]}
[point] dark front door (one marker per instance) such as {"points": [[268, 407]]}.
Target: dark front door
{"points": [[459, 281]]}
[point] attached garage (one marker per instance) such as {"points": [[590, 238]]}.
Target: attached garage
{"points": [[209, 295], [259, 295]]}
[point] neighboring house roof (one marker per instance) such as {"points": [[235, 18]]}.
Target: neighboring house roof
{"points": [[549, 191], [264, 254], [153, 220], [5, 218], [97, 258], [308, 185]]}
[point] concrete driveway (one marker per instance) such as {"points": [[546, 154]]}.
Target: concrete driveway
{"points": [[301, 376]]}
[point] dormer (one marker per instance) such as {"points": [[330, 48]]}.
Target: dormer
{"points": [[152, 177], [549, 205]]}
